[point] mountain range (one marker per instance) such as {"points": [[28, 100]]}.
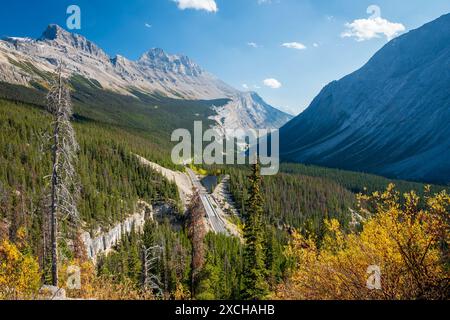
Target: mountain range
{"points": [[28, 62], [391, 117]]}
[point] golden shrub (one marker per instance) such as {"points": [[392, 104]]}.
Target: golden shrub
{"points": [[19, 273], [406, 238], [94, 287]]}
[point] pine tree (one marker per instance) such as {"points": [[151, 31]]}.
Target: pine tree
{"points": [[254, 274]]}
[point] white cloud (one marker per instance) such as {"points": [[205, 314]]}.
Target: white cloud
{"points": [[148, 25], [245, 86], [294, 45], [315, 45], [252, 44], [207, 5], [272, 83], [373, 27]]}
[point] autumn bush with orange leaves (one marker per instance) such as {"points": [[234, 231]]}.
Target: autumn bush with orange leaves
{"points": [[404, 236]]}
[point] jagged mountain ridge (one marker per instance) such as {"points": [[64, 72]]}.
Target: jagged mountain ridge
{"points": [[391, 117], [155, 72]]}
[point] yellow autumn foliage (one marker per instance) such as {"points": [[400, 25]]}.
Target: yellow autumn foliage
{"points": [[106, 288], [95, 287], [404, 238], [20, 279], [181, 293], [19, 273]]}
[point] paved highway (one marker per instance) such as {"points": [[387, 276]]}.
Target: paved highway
{"points": [[215, 221]]}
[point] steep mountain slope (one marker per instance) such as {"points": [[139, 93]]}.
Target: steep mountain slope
{"points": [[28, 62], [391, 117], [248, 110]]}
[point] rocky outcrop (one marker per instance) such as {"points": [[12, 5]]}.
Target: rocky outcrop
{"points": [[103, 242], [52, 293]]}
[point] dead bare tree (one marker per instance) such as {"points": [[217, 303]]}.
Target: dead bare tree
{"points": [[64, 189], [151, 257], [196, 233]]}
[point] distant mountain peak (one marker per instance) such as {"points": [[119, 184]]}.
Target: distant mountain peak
{"points": [[155, 52], [158, 59], [54, 32]]}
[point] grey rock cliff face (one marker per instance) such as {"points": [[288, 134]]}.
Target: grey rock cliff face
{"points": [[391, 117], [103, 242]]}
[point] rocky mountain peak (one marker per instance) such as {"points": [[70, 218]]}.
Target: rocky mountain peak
{"points": [[158, 59], [155, 53], [54, 32], [62, 37]]}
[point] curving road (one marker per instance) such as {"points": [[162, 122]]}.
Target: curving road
{"points": [[215, 221]]}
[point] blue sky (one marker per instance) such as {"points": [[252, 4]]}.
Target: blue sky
{"points": [[286, 50]]}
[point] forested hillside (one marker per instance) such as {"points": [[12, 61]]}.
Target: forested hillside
{"points": [[297, 200], [150, 116], [112, 180], [110, 176], [356, 182], [303, 196]]}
